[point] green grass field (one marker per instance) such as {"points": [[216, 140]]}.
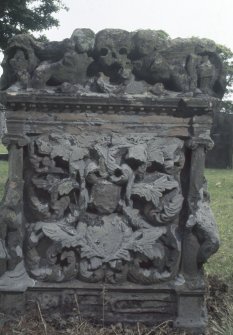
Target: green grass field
{"points": [[3, 149], [220, 184]]}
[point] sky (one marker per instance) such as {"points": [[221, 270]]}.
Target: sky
{"points": [[179, 18]]}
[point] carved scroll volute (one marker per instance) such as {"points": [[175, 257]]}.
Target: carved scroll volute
{"points": [[201, 238], [12, 218]]}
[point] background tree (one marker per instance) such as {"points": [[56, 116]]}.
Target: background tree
{"points": [[227, 57], [21, 16], [222, 131]]}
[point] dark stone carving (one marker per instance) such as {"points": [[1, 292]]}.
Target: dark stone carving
{"points": [[204, 227], [115, 61], [107, 136], [108, 213]]}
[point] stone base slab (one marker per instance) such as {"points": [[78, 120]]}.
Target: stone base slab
{"points": [[129, 304]]}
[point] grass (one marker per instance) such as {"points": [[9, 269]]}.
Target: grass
{"points": [[220, 265], [220, 185], [3, 149], [227, 327]]}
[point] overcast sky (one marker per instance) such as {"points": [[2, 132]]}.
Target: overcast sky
{"points": [[184, 18]]}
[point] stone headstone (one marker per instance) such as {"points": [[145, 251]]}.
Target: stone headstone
{"points": [[107, 136]]}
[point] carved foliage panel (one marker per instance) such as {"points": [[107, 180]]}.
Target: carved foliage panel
{"points": [[103, 208]]}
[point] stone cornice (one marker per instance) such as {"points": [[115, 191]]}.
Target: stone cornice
{"points": [[109, 104]]}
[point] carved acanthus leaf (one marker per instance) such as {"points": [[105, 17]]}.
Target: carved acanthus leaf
{"points": [[146, 242], [121, 254], [109, 157], [155, 154], [78, 154], [153, 192], [174, 206], [66, 186], [90, 252], [65, 235], [134, 217], [138, 153], [95, 262]]}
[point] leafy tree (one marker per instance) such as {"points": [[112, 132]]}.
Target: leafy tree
{"points": [[227, 57], [21, 16]]}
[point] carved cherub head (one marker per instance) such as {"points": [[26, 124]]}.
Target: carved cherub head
{"points": [[83, 39], [148, 41]]}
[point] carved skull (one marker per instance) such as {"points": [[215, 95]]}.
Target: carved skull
{"points": [[112, 48]]}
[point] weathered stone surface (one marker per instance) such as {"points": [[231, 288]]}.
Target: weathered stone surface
{"points": [[107, 136], [83, 188], [115, 61]]}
